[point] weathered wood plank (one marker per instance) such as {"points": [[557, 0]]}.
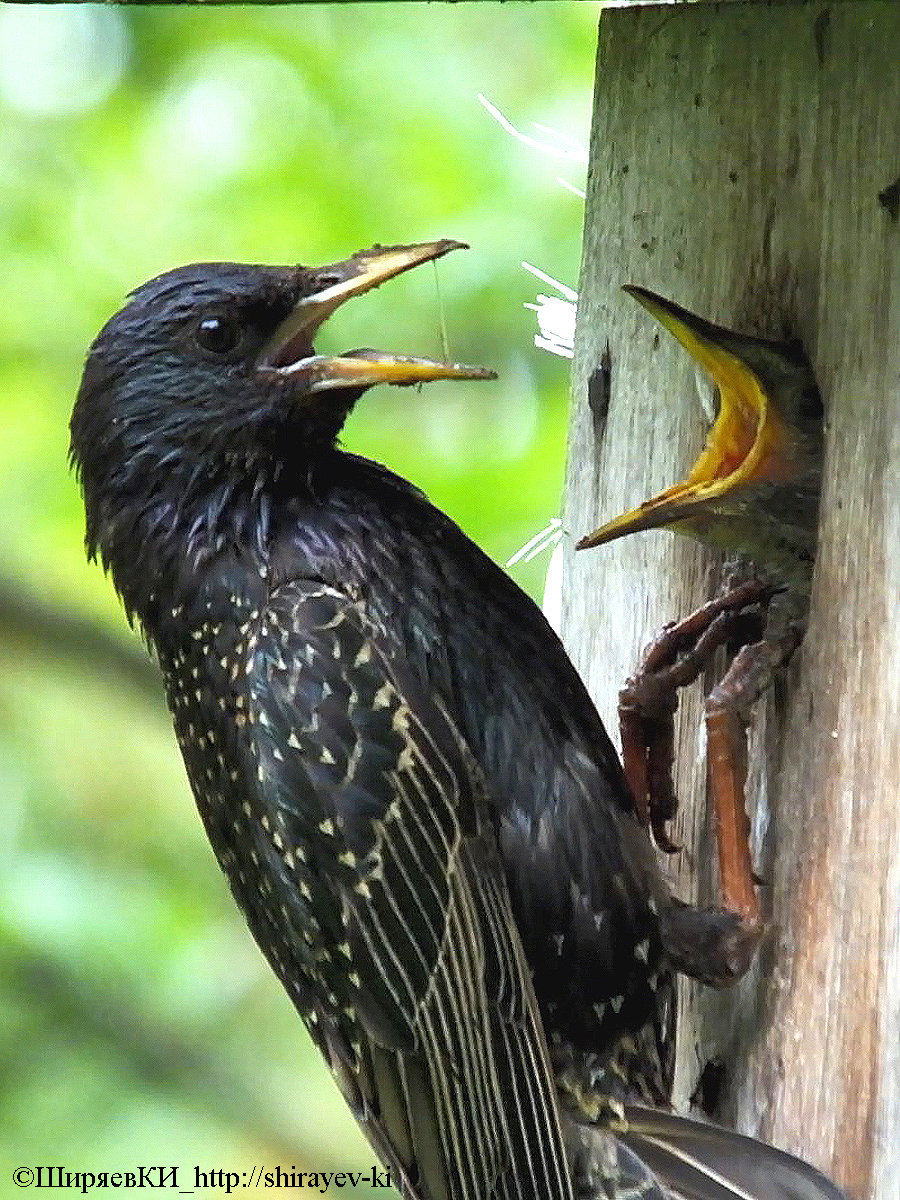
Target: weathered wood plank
{"points": [[736, 163]]}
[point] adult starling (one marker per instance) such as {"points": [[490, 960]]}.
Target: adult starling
{"points": [[415, 802], [753, 492]]}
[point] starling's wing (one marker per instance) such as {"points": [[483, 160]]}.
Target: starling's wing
{"points": [[699, 1161], [389, 920]]}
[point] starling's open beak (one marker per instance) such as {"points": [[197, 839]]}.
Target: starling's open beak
{"points": [[749, 442], [289, 351]]}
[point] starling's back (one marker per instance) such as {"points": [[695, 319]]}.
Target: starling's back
{"points": [[583, 880], [402, 778]]}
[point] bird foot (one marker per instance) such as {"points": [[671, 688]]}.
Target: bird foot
{"points": [[711, 945], [727, 713], [647, 706]]}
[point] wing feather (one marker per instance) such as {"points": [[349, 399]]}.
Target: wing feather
{"points": [[700, 1161], [393, 910]]}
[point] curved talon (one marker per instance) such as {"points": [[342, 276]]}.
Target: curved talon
{"points": [[661, 835]]}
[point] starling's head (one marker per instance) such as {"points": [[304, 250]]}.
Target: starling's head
{"points": [[755, 487], [208, 379]]}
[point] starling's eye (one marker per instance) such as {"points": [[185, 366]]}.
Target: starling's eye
{"points": [[218, 334]]}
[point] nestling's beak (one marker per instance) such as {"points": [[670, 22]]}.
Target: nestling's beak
{"points": [[289, 352], [749, 442]]}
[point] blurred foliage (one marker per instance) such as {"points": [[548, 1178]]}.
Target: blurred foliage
{"points": [[138, 1024]]}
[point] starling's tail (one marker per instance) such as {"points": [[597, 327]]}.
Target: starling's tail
{"points": [[694, 1160], [603, 1167]]}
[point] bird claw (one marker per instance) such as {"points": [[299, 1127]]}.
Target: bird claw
{"points": [[661, 834], [647, 706]]}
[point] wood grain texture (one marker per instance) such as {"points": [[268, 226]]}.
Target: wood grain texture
{"points": [[737, 158]]}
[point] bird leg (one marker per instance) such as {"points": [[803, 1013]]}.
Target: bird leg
{"points": [[647, 706], [727, 715]]}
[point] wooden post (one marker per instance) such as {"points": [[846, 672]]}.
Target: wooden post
{"points": [[741, 163]]}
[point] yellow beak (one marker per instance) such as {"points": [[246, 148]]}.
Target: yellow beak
{"points": [[747, 443], [289, 351]]}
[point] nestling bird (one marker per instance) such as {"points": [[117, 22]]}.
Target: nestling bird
{"points": [[754, 493], [402, 776], [754, 490]]}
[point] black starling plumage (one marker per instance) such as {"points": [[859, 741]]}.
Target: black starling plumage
{"points": [[402, 776]]}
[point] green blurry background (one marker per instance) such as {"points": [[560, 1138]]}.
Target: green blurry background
{"points": [[138, 1023]]}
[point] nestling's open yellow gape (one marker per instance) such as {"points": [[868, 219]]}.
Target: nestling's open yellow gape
{"points": [[754, 488]]}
